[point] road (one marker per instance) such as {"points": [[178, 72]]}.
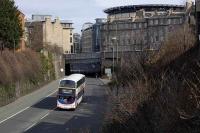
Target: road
{"points": [[44, 117]]}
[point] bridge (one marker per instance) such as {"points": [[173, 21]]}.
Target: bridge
{"points": [[83, 63], [96, 62]]}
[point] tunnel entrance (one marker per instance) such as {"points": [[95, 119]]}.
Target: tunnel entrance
{"points": [[67, 69]]}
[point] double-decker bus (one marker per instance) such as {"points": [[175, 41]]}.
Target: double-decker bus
{"points": [[71, 91]]}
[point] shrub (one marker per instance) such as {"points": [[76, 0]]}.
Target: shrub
{"points": [[178, 41], [23, 71], [161, 95]]}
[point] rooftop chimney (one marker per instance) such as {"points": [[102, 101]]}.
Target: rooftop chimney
{"points": [[189, 4]]}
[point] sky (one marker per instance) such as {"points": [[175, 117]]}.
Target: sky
{"points": [[79, 11]]}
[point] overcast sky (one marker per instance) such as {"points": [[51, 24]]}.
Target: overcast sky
{"points": [[79, 11]]}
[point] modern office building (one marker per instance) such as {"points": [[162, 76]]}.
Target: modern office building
{"points": [[86, 38], [97, 34], [77, 42], [91, 36], [43, 31]]}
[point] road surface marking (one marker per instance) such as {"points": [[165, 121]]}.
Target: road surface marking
{"points": [[104, 84], [24, 109], [14, 115], [44, 116], [30, 127], [48, 113], [51, 93], [40, 119]]}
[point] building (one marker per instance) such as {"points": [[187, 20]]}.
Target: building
{"points": [[91, 36], [139, 27], [40, 17], [77, 43], [42, 31], [97, 34], [86, 38], [22, 44]]}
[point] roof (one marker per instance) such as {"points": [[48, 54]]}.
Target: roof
{"points": [[20, 12], [74, 77], [149, 7], [66, 22]]}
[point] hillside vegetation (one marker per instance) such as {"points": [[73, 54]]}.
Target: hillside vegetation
{"points": [[161, 95], [22, 73]]}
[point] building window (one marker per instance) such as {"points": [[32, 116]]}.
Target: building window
{"points": [[156, 22], [30, 30], [145, 25], [70, 39], [129, 41], [162, 38], [172, 21], [151, 22], [152, 40], [157, 38], [127, 26], [177, 21], [120, 26], [134, 26], [140, 25], [161, 21], [181, 21], [169, 21]]}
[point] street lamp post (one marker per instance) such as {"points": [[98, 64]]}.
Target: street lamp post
{"points": [[115, 39], [113, 59]]}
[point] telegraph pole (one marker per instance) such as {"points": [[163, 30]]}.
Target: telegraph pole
{"points": [[117, 41]]}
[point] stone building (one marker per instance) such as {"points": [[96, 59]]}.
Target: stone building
{"points": [[22, 45], [139, 27], [43, 31]]}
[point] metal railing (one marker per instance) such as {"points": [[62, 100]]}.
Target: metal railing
{"points": [[78, 56]]}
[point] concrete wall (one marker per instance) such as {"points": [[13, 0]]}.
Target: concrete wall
{"points": [[22, 45], [35, 35], [53, 32], [66, 40]]}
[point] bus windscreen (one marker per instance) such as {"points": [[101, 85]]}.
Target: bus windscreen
{"points": [[68, 92], [66, 96], [67, 83]]}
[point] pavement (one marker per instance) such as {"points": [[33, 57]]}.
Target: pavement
{"points": [[37, 112], [105, 81]]}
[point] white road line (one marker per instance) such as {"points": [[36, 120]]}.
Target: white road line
{"points": [[14, 115], [44, 116], [52, 93], [24, 109], [30, 127], [48, 113], [38, 120]]}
